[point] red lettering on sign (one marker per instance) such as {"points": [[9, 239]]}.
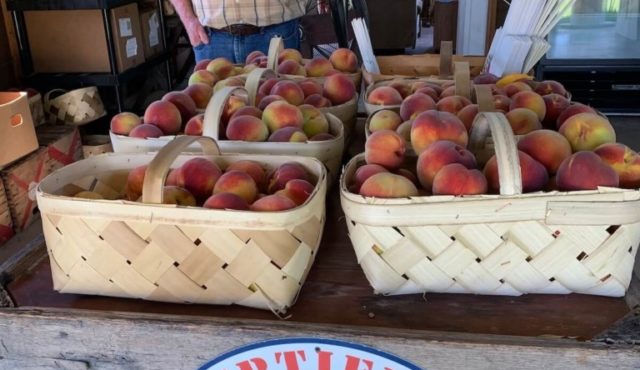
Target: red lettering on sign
{"points": [[253, 364], [353, 363], [290, 359], [324, 360]]}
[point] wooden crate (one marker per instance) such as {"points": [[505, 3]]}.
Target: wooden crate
{"points": [[6, 226], [63, 145]]}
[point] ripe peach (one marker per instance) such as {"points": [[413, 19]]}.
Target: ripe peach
{"points": [[534, 174], [438, 155], [456, 179], [344, 60], [194, 125], [363, 173], [229, 82], [452, 104], [468, 114], [253, 56], [429, 91], [183, 102], [322, 137], [247, 111], [146, 130], [384, 119], [404, 130], [385, 148], [485, 78], [585, 170], [530, 100], [233, 104], [290, 54], [264, 102], [202, 65], [221, 67], [587, 131], [172, 177], [267, 85], [555, 104], [202, 77], [318, 101], [550, 87], [314, 122], [123, 123], [226, 201], [388, 185], [178, 195], [384, 95], [288, 134], [289, 90], [417, 86], [272, 203], [199, 176], [285, 173], [408, 174], [291, 67], [338, 88], [547, 147], [501, 102], [247, 128], [135, 180], [523, 121], [310, 87], [401, 87], [253, 168], [165, 115], [449, 91], [200, 94], [281, 114], [431, 126], [415, 104], [239, 183], [297, 190], [318, 67], [624, 161], [516, 87], [572, 110]]}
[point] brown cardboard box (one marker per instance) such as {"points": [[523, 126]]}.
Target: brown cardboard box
{"points": [[17, 133], [151, 34], [75, 40]]}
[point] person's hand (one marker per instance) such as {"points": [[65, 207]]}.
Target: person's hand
{"points": [[196, 32]]}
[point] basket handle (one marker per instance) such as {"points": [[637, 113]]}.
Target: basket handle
{"points": [[446, 57], [276, 45], [462, 79], [156, 173], [48, 95], [213, 113], [484, 98], [253, 82], [506, 149]]}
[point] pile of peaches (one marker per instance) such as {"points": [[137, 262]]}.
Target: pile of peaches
{"points": [[561, 145], [243, 185]]}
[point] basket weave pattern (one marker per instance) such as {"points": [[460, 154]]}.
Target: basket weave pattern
{"points": [[75, 107]]}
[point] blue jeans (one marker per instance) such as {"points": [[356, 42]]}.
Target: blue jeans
{"points": [[236, 48]]}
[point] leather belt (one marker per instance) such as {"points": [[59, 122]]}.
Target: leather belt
{"points": [[241, 29]]}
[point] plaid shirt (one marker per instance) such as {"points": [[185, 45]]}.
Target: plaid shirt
{"points": [[222, 13]]}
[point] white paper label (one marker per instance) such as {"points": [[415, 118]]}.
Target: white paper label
{"points": [[154, 30], [131, 47], [125, 27]]}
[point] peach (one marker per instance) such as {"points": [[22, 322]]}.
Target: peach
{"points": [[449, 91], [253, 56], [452, 104], [290, 54], [572, 110], [135, 180], [229, 82], [272, 203], [318, 67], [221, 67], [232, 105], [516, 87], [404, 130], [530, 100], [165, 115], [408, 174], [415, 104], [318, 101], [288, 134], [388, 185], [88, 195], [384, 95], [253, 168], [226, 201], [247, 128], [523, 121], [446, 84], [267, 85], [585, 170], [314, 121], [468, 114], [338, 88], [146, 130], [495, 90], [289, 90], [456, 179], [123, 123], [172, 177], [402, 88], [485, 78], [310, 87], [363, 173], [202, 77], [417, 86], [501, 102], [431, 126], [285, 173], [200, 94], [384, 119], [438, 155], [202, 65], [322, 137], [555, 104], [297, 190], [430, 91], [534, 174], [264, 102], [624, 161], [194, 125], [178, 195], [587, 131], [239, 183], [344, 60], [385, 148], [550, 87], [291, 67], [199, 176], [183, 102], [547, 147], [281, 114], [247, 111]]}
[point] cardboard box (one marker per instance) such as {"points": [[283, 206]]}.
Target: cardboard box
{"points": [[75, 40], [151, 33], [17, 134], [63, 144]]}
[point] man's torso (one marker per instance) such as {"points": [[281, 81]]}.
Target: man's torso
{"points": [[261, 13]]}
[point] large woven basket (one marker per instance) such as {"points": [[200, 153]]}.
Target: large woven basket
{"points": [[508, 244], [172, 253], [76, 107]]}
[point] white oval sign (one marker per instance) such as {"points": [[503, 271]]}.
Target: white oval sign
{"points": [[307, 354]]}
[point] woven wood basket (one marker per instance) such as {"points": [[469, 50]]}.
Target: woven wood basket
{"points": [[96, 144], [328, 152], [76, 107], [172, 253], [508, 244]]}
